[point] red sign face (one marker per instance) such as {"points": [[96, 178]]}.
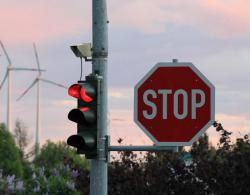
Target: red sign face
{"points": [[174, 104]]}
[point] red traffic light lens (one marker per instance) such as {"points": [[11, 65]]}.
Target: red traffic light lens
{"points": [[84, 109], [74, 91], [77, 91], [84, 96]]}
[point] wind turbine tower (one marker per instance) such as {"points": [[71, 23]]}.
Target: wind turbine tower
{"points": [[8, 75], [37, 82]]}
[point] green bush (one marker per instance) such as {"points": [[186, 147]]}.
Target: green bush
{"points": [[54, 154], [10, 162], [60, 180]]}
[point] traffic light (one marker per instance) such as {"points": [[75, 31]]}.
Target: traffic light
{"points": [[85, 115]]}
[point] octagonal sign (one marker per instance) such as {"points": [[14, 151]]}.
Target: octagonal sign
{"points": [[174, 104]]}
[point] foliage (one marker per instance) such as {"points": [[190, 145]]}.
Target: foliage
{"points": [[60, 154], [230, 167], [55, 171], [202, 170], [60, 180], [21, 136], [54, 154], [22, 141], [224, 143], [10, 162], [156, 173]]}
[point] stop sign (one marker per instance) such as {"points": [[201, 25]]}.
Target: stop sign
{"points": [[174, 104]]}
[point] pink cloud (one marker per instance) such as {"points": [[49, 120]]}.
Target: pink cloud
{"points": [[39, 21], [46, 20], [121, 125], [219, 17], [238, 124], [223, 18]]}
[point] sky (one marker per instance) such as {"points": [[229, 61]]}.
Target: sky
{"points": [[212, 34]]}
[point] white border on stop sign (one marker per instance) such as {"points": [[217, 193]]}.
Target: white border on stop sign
{"points": [[212, 108]]}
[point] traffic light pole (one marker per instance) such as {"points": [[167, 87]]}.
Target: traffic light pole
{"points": [[98, 172]]}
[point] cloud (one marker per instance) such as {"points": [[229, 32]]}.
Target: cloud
{"points": [[218, 17], [223, 18], [192, 28], [144, 15], [229, 71], [41, 20], [127, 129], [68, 103], [238, 124], [46, 20], [120, 93], [121, 125], [113, 94]]}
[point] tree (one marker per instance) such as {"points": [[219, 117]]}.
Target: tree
{"points": [[59, 170], [222, 170], [21, 137], [155, 173], [10, 162], [231, 164], [53, 154]]}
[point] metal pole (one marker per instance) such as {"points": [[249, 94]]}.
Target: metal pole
{"points": [[143, 148], [9, 100], [98, 172], [176, 61], [37, 119]]}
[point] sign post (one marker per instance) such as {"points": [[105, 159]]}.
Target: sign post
{"points": [[174, 104]]}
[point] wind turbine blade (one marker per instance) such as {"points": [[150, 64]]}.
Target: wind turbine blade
{"points": [[32, 84], [4, 79], [5, 52], [53, 83], [28, 69], [37, 59]]}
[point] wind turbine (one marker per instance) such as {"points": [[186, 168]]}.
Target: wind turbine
{"points": [[8, 75], [37, 82]]}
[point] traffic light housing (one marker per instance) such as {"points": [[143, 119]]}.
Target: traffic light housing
{"points": [[85, 115]]}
